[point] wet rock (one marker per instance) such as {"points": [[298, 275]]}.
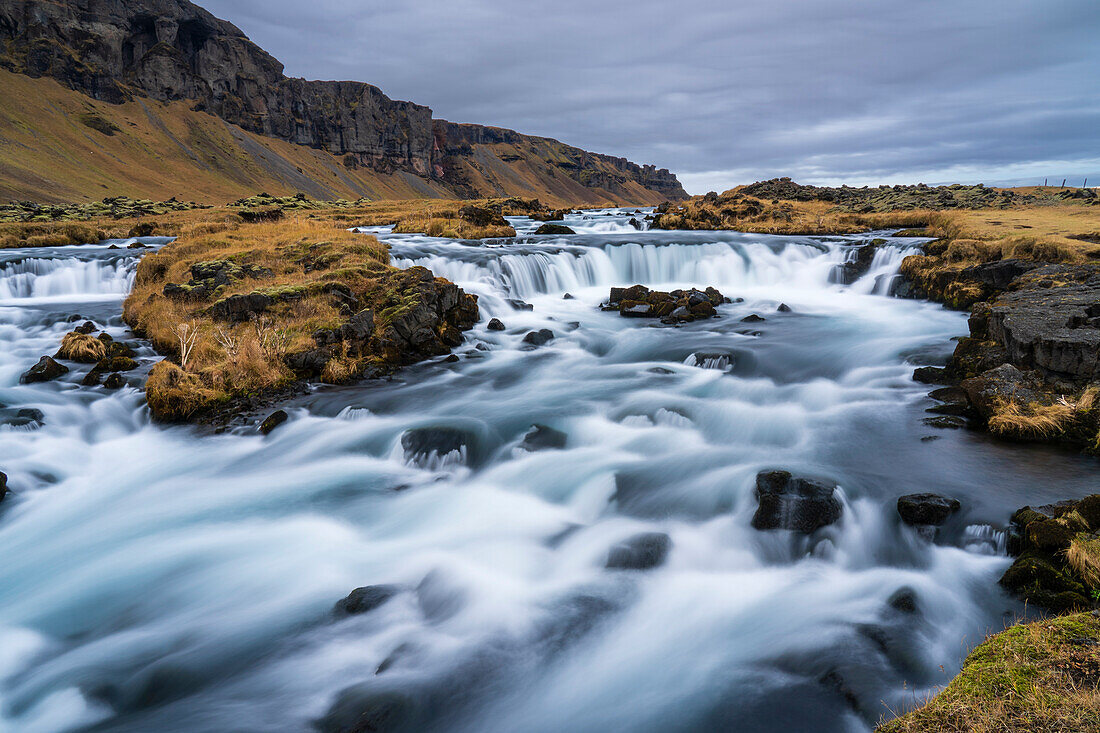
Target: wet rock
{"points": [[926, 509], [676, 306], [856, 266], [365, 599], [794, 503], [539, 337], [753, 318], [520, 305], [3, 485], [783, 308], [114, 381], [931, 375], [432, 447], [640, 552], [29, 417], [954, 402], [92, 378], [453, 358], [904, 600], [116, 364], [554, 229], [45, 370], [945, 422], [364, 709], [541, 437], [495, 324], [86, 328], [273, 421], [1004, 383], [568, 296], [711, 360]]}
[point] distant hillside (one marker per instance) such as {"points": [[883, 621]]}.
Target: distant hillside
{"points": [[193, 98]]}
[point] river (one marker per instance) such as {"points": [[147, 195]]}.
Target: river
{"points": [[159, 578]]}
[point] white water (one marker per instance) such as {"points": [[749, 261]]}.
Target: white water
{"points": [[156, 579]]}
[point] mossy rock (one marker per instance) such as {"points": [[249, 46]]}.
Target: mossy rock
{"points": [[1040, 582]]}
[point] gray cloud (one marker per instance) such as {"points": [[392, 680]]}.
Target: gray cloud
{"points": [[728, 91]]}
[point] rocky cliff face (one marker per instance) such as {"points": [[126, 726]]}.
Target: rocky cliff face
{"points": [[171, 50]]}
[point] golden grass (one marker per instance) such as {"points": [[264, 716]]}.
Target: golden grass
{"points": [[1030, 422], [81, 347], [450, 227], [1083, 555], [1041, 677]]}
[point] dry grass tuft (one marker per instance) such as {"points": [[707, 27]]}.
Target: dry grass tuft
{"points": [[1030, 422], [173, 394], [81, 347], [1084, 557]]}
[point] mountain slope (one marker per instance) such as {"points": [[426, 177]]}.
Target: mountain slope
{"points": [[173, 52]]}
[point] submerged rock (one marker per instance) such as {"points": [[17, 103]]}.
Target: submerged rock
{"points": [[541, 437], [435, 447], [640, 552], [367, 598], [926, 509], [45, 370], [539, 337], [273, 421], [3, 485], [795, 503]]}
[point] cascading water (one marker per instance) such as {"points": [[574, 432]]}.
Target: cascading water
{"points": [[159, 579]]}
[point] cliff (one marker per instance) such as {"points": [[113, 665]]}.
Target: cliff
{"points": [[174, 51]]}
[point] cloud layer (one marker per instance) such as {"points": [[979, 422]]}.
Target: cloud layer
{"points": [[728, 91]]}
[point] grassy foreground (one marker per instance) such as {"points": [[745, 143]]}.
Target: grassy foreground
{"points": [[1041, 677]]}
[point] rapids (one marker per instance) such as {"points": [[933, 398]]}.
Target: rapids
{"points": [[159, 579]]}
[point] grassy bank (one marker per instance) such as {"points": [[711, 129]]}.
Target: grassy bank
{"points": [[1042, 677]]}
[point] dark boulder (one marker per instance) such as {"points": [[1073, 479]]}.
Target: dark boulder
{"points": [[86, 328], [856, 265], [783, 308], [539, 337], [954, 401], [495, 324], [359, 327], [1005, 383], [926, 509], [26, 417], [240, 308], [753, 318], [640, 552], [795, 503], [554, 229], [3, 485], [541, 437], [273, 421], [92, 378], [45, 370], [367, 598], [428, 447], [114, 381]]}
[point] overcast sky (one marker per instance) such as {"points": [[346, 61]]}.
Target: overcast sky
{"points": [[724, 92]]}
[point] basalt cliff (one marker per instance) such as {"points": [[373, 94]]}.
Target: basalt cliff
{"points": [[177, 54]]}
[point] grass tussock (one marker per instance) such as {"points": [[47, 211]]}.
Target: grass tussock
{"points": [[82, 348], [1042, 677], [1083, 556], [1033, 421]]}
